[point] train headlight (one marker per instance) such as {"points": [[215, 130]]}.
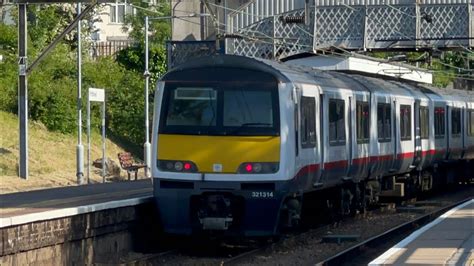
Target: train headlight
{"points": [[258, 168], [177, 166]]}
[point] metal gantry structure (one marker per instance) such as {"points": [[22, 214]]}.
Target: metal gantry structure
{"points": [[276, 29]]}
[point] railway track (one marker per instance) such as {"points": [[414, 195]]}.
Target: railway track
{"points": [[365, 250], [270, 253], [149, 258]]}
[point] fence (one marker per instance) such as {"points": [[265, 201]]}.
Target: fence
{"points": [[108, 48]]}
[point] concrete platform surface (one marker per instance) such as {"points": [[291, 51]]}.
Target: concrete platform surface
{"points": [[24, 207], [448, 240]]}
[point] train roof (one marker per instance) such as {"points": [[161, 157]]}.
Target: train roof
{"points": [[366, 66], [230, 61]]}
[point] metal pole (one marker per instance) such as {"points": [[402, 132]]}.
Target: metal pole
{"points": [[79, 147], [147, 146], [103, 141], [88, 139], [23, 91]]}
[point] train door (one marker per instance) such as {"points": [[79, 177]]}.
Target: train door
{"points": [[426, 145], [384, 150], [470, 131], [463, 128], [308, 157], [440, 135], [455, 131], [417, 134], [405, 142], [336, 139], [360, 136]]}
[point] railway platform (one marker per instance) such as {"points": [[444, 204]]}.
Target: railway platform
{"points": [[26, 207], [448, 240]]}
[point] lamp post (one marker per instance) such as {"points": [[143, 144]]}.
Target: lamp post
{"points": [[146, 74], [79, 147]]}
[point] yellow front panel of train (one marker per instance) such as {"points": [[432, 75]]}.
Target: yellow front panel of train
{"points": [[229, 151]]}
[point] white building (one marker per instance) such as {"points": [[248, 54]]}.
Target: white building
{"points": [[5, 14], [110, 21], [108, 25], [200, 28]]}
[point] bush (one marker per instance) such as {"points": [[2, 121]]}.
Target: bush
{"points": [[52, 85]]}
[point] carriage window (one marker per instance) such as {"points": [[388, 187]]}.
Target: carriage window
{"points": [[363, 119], [440, 123], [337, 133], [456, 121], [384, 122], [405, 122], [308, 122], [470, 123], [424, 122]]}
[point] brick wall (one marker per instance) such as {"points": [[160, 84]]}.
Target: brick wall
{"points": [[82, 239]]}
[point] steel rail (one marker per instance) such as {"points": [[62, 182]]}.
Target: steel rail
{"points": [[245, 255], [149, 258]]}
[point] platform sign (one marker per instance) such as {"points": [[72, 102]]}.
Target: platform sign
{"points": [[95, 95]]}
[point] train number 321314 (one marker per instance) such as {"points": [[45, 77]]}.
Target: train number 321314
{"points": [[262, 194]]}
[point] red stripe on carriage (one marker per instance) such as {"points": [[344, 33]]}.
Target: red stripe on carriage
{"points": [[428, 152], [381, 158], [363, 160], [336, 164], [406, 155], [308, 169]]}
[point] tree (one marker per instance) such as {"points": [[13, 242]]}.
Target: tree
{"points": [[133, 58]]}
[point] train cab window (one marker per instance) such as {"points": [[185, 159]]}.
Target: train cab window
{"points": [[405, 122], [193, 106], [224, 110], [470, 123], [424, 122], [363, 118], [439, 119], [337, 132], [456, 121], [247, 107], [308, 122], [384, 120]]}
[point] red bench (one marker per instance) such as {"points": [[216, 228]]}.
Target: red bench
{"points": [[128, 164]]}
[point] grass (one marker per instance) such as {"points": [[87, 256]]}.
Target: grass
{"points": [[52, 156]]}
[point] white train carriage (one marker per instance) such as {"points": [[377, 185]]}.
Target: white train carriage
{"points": [[239, 142]]}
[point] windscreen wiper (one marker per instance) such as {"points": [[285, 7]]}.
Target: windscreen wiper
{"points": [[245, 125]]}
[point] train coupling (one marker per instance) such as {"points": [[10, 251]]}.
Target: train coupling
{"points": [[216, 223], [215, 212]]}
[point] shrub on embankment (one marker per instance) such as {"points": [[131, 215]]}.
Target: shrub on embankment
{"points": [[52, 94], [52, 90]]}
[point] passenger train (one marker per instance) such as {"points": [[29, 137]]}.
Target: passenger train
{"points": [[239, 143]]}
